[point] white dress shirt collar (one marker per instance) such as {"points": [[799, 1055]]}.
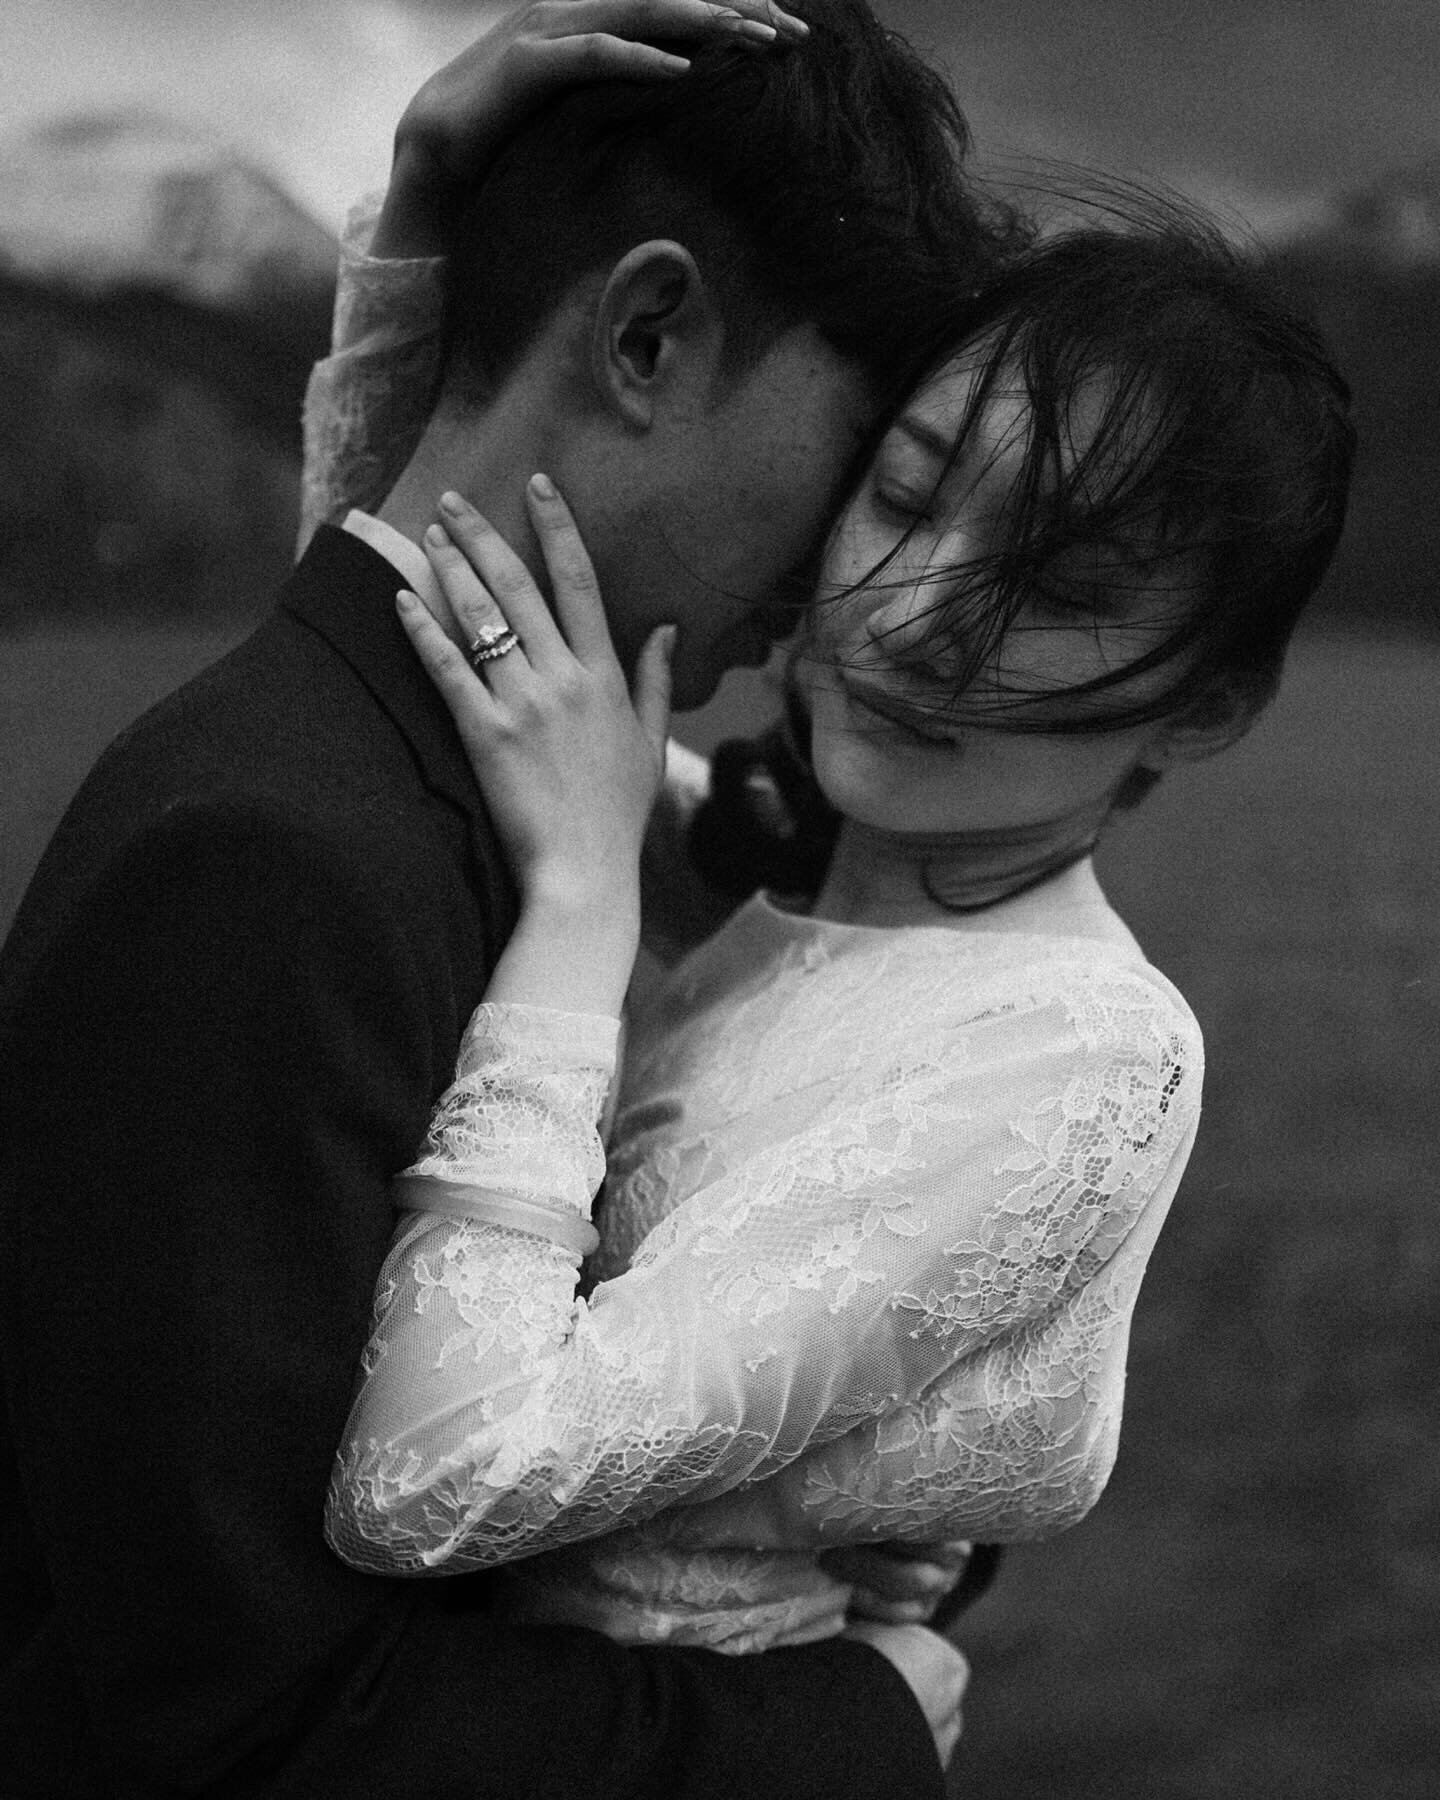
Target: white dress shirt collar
{"points": [[400, 552]]}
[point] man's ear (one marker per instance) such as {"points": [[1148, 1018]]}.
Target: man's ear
{"points": [[655, 325]]}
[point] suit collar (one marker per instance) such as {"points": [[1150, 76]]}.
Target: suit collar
{"points": [[409, 559], [345, 591]]}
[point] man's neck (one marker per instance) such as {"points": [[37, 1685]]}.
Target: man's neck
{"points": [[485, 455]]}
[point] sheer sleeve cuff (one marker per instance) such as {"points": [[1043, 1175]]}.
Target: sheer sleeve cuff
{"points": [[451, 1199], [367, 403], [399, 299], [521, 1120]]}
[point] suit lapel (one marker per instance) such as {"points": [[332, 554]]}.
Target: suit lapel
{"points": [[345, 591]]}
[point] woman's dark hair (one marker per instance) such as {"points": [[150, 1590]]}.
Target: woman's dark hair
{"points": [[818, 183], [1188, 436], [1212, 467]]}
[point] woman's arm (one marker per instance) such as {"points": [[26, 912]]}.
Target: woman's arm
{"points": [[568, 763], [1015, 1442], [806, 1295]]}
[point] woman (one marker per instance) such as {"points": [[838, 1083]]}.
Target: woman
{"points": [[885, 1171]]}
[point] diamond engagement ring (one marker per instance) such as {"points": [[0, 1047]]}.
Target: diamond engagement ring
{"points": [[493, 642]]}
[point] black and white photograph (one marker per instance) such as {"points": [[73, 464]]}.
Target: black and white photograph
{"points": [[719, 900]]}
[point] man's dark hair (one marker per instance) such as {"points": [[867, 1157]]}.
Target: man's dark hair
{"points": [[821, 182]]}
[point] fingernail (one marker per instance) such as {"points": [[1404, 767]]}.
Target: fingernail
{"points": [[406, 601], [435, 534], [542, 487], [453, 502], [755, 29]]}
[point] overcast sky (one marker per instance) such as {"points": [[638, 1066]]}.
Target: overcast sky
{"points": [[1254, 102]]}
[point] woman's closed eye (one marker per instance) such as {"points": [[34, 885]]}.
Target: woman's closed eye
{"points": [[908, 506]]}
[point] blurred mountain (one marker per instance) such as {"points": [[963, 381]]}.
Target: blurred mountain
{"points": [[1368, 268], [161, 302], [121, 209]]}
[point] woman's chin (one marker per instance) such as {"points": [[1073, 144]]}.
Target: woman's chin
{"points": [[891, 806], [862, 786], [860, 802], [837, 781]]}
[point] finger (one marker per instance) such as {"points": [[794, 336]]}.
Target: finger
{"points": [[597, 57], [953, 1554], [948, 1553], [463, 692], [468, 537], [788, 24], [578, 605], [651, 695], [891, 1577], [680, 20], [906, 1580], [864, 1604], [437, 604], [470, 603]]}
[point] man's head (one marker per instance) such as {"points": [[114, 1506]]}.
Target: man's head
{"points": [[694, 300]]}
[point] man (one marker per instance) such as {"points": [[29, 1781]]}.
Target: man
{"points": [[238, 983]]}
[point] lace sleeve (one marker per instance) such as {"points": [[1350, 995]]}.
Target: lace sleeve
{"points": [[1015, 1442], [462, 1305], [961, 1209], [367, 404]]}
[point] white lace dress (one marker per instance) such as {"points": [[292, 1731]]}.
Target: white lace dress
{"points": [[878, 1208]]}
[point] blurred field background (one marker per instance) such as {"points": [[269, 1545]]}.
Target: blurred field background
{"points": [[1254, 1609]]}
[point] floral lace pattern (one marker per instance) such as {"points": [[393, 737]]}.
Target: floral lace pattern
{"points": [[521, 1116], [876, 1282], [367, 403]]}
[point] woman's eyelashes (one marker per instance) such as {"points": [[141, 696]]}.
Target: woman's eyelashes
{"points": [[908, 506], [905, 483]]}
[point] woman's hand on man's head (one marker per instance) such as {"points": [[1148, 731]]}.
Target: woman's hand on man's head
{"points": [[451, 131]]}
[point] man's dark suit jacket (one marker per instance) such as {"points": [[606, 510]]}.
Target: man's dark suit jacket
{"points": [[233, 993]]}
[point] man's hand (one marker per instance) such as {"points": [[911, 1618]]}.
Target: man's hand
{"points": [[935, 1671], [898, 1584], [449, 134]]}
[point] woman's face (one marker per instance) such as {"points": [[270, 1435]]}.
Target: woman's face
{"points": [[884, 751]]}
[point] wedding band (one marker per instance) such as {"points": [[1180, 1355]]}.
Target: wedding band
{"points": [[492, 642]]}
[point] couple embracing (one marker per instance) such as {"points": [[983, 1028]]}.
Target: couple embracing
{"points": [[680, 331]]}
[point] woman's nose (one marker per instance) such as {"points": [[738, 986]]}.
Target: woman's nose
{"points": [[899, 618]]}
